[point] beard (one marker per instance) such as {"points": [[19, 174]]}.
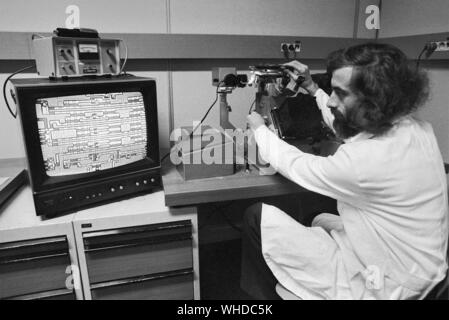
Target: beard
{"points": [[345, 126]]}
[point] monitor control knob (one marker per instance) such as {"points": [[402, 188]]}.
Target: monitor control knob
{"points": [[121, 187], [137, 184], [145, 182], [152, 180], [112, 189]]}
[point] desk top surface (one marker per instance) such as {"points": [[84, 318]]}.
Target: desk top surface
{"points": [[241, 185]]}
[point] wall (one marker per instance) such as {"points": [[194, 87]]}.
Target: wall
{"points": [[131, 16], [436, 110], [184, 88], [287, 17], [413, 17]]}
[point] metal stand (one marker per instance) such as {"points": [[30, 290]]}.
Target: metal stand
{"points": [[224, 112]]}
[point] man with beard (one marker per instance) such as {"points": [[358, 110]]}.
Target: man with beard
{"points": [[390, 238]]}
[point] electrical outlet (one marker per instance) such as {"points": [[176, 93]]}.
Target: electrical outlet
{"points": [[441, 45], [291, 47]]}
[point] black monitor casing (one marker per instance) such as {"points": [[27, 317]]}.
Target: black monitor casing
{"points": [[63, 194]]}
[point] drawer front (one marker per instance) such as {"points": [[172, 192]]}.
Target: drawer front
{"points": [[137, 251], [68, 296], [179, 287], [126, 262], [62, 294], [33, 266]]}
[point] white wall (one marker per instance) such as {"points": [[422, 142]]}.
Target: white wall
{"points": [[436, 110], [190, 91], [130, 16], [412, 17], [11, 143], [327, 18]]}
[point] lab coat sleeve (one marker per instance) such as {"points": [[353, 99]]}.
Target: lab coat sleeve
{"points": [[321, 99], [334, 176]]}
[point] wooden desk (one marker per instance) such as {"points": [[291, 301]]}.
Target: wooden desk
{"points": [[241, 185]]}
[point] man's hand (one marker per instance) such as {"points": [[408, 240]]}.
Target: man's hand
{"points": [[255, 120], [296, 69]]}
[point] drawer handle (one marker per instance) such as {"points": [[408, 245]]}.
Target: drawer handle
{"points": [[165, 226], [30, 259], [135, 243], [43, 295], [140, 279], [32, 243]]}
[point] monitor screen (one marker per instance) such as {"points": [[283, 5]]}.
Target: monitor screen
{"points": [[91, 132]]}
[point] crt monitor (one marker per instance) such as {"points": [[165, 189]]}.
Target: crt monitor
{"points": [[88, 141]]}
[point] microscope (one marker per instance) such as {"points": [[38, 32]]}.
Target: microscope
{"points": [[293, 115]]}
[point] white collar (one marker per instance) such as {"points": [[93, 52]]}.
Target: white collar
{"points": [[359, 137]]}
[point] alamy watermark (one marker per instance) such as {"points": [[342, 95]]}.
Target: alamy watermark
{"points": [[73, 279], [209, 146], [372, 22]]}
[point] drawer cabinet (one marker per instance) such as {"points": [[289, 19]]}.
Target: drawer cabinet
{"points": [[131, 252], [33, 266], [131, 249], [148, 261], [176, 286]]}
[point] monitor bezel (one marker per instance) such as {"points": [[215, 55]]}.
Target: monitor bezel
{"points": [[27, 97]]}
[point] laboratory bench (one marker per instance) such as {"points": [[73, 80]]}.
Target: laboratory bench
{"points": [[136, 248], [131, 249], [146, 247]]}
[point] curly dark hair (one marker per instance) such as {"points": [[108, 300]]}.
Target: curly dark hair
{"points": [[386, 83]]}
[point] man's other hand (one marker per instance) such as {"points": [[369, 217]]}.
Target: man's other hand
{"points": [[295, 69], [255, 120]]}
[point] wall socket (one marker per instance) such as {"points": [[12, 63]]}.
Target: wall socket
{"points": [[291, 47], [440, 45]]}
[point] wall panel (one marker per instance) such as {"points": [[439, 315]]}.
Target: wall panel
{"points": [[412, 17], [436, 110], [327, 18], [131, 16]]}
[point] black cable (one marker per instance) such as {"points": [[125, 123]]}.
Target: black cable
{"points": [[4, 89], [202, 120], [420, 56], [251, 106]]}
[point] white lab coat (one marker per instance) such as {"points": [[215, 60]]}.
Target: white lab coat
{"points": [[391, 193]]}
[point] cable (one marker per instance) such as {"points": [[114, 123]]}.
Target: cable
{"points": [[428, 49], [251, 106], [202, 120], [420, 56], [126, 56], [4, 89]]}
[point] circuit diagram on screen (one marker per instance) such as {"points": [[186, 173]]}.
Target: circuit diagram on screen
{"points": [[92, 132]]}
